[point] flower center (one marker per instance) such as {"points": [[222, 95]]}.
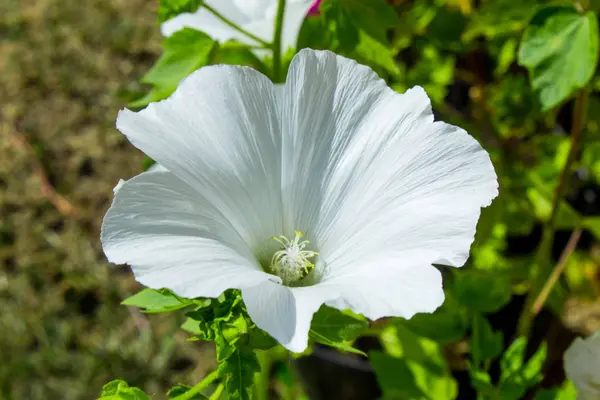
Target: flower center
{"points": [[292, 263]]}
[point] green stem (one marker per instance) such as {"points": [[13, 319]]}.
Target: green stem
{"points": [[542, 259], [217, 393], [199, 387], [277, 41], [261, 384], [227, 21]]}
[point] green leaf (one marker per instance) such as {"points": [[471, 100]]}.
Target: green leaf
{"points": [[404, 378], [499, 18], [394, 376], [445, 325], [532, 372], [336, 325], [593, 225], [516, 377], [512, 359], [184, 52], [157, 301], [171, 8], [233, 53], [375, 54], [334, 328], [482, 291], [566, 392], [239, 370], [344, 33], [375, 17], [560, 50], [181, 389], [481, 381], [261, 340], [120, 390], [338, 345], [485, 343]]}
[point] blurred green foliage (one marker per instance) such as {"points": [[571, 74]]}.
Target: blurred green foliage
{"points": [[518, 75]]}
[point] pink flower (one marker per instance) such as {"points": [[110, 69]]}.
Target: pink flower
{"points": [[314, 9]]}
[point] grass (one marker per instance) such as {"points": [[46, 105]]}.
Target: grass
{"points": [[66, 67]]}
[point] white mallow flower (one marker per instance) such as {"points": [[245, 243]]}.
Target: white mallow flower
{"points": [[254, 16], [582, 366], [330, 189]]}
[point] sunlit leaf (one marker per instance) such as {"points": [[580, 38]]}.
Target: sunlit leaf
{"points": [[239, 370], [120, 390], [171, 8], [157, 301], [560, 50], [485, 343]]}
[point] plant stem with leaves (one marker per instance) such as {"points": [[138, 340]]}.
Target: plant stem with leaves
{"points": [[190, 394], [277, 67], [542, 260], [236, 27]]}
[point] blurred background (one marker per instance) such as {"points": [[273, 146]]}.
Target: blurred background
{"points": [[68, 66], [64, 65]]}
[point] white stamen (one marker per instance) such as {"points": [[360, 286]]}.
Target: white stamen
{"points": [[292, 263]]}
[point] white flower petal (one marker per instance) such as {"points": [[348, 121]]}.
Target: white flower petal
{"points": [[582, 363], [384, 179], [382, 289], [219, 133], [205, 21], [286, 313], [294, 17], [295, 13], [174, 238], [254, 16]]}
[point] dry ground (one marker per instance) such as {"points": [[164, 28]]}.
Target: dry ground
{"points": [[66, 67]]}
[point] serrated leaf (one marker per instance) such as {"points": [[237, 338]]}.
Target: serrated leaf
{"points": [[333, 328], [183, 52], [560, 50], [337, 326], [338, 345], [171, 8], [481, 291], [156, 301], [120, 390], [485, 343], [178, 390], [239, 370]]}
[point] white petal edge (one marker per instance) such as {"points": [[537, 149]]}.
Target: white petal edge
{"points": [[173, 238], [284, 312], [384, 179], [219, 132], [203, 20], [581, 363]]}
